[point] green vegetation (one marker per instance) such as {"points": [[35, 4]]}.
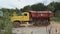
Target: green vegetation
{"points": [[57, 16], [6, 24], [55, 19]]}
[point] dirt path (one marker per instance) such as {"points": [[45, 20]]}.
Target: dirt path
{"points": [[30, 30], [53, 28]]}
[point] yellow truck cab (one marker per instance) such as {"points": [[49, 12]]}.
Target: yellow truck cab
{"points": [[24, 17]]}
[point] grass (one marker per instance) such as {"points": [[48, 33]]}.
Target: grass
{"points": [[6, 25], [55, 19]]}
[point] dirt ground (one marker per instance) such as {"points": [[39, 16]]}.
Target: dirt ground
{"points": [[53, 28], [55, 24]]}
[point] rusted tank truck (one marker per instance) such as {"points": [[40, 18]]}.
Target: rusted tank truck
{"points": [[36, 18]]}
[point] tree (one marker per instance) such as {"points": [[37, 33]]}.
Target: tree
{"points": [[35, 7], [54, 6], [26, 8], [38, 7]]}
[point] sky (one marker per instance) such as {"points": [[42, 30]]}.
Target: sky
{"points": [[21, 3]]}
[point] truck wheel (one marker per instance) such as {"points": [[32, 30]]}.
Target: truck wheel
{"points": [[16, 24]]}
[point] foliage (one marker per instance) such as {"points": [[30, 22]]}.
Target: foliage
{"points": [[26, 8], [8, 24], [54, 6], [55, 19], [35, 7], [1, 24], [39, 7]]}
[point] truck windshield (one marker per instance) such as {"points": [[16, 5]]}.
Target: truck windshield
{"points": [[25, 14]]}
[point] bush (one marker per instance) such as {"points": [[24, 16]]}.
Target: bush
{"points": [[1, 24], [56, 19]]}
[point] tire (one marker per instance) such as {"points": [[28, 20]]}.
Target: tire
{"points": [[16, 24]]}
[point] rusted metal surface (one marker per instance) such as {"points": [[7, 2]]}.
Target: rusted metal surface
{"points": [[41, 14]]}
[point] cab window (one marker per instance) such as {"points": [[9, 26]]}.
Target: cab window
{"points": [[25, 14]]}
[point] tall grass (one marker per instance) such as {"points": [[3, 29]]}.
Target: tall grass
{"points": [[7, 25], [57, 16], [56, 19]]}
